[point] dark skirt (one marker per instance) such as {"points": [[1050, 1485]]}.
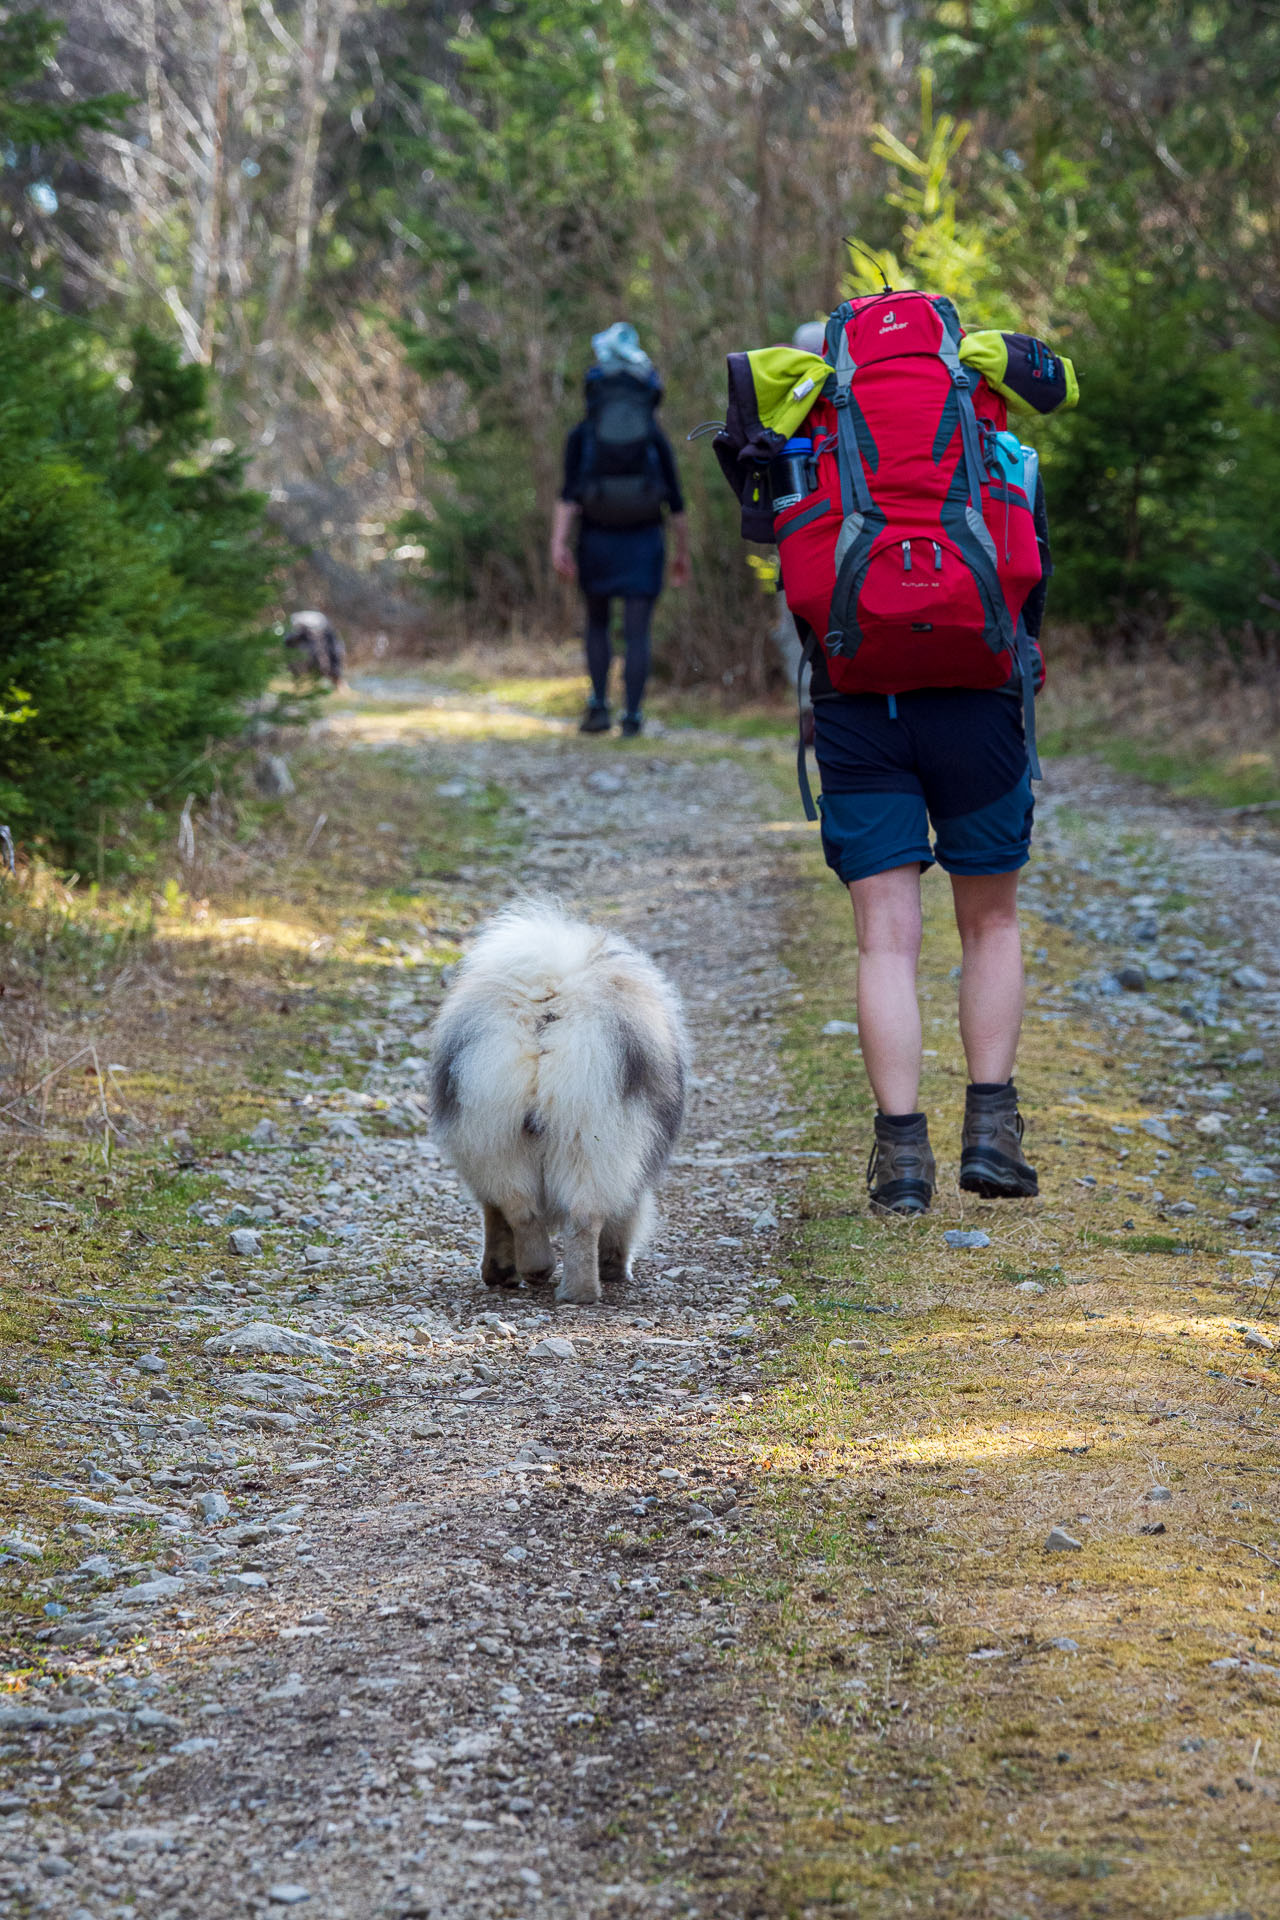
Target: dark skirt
{"points": [[622, 561]]}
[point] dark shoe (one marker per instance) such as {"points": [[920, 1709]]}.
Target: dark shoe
{"points": [[992, 1162], [901, 1173], [632, 724], [597, 718]]}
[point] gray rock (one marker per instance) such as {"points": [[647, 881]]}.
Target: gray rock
{"points": [[1060, 1541], [98, 1566], [1244, 1217], [286, 1893], [343, 1127], [1159, 1493], [784, 1300], [151, 1592], [261, 1336], [604, 782], [1157, 1129], [1064, 1645], [265, 1419], [1253, 1338], [214, 1507], [1131, 979], [155, 1720], [272, 778], [554, 1347], [1161, 970], [766, 1221], [1252, 979], [246, 1241], [1028, 1286], [834, 1028], [966, 1237], [151, 1363], [144, 1839], [317, 1256], [265, 1134], [25, 1719], [245, 1580], [24, 1549]]}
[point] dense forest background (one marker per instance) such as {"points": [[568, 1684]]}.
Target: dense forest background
{"points": [[300, 291]]}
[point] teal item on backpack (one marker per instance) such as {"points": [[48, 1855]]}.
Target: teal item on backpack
{"points": [[1030, 473]]}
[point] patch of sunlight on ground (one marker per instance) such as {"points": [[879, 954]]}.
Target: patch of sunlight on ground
{"points": [[439, 720]]}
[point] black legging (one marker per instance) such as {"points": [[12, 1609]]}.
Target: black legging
{"points": [[637, 612]]}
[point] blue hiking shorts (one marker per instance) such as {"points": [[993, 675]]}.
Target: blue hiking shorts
{"points": [[953, 756]]}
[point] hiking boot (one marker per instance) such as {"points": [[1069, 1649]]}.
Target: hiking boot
{"points": [[632, 724], [992, 1162], [900, 1172], [597, 718]]}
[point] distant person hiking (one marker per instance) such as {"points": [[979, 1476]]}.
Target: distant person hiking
{"points": [[315, 648], [914, 553], [619, 474]]}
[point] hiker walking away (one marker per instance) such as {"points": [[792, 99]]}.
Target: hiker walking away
{"points": [[619, 474], [914, 554], [315, 647]]}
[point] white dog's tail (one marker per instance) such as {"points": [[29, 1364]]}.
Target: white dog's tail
{"points": [[560, 1058]]}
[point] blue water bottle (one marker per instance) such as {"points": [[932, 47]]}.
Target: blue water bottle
{"points": [[790, 473]]}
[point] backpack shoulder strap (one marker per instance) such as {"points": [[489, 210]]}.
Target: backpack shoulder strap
{"points": [[984, 558]]}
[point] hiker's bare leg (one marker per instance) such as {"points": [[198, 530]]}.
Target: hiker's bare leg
{"points": [[991, 988], [886, 911]]}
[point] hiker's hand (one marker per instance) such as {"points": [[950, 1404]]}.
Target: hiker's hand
{"points": [[680, 570], [563, 561]]}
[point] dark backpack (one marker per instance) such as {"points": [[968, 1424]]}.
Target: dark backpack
{"points": [[621, 481]]}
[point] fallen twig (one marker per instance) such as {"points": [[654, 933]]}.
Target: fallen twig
{"points": [[1246, 1548]]}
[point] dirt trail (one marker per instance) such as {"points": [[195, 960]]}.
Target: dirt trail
{"points": [[470, 1607], [429, 1651]]}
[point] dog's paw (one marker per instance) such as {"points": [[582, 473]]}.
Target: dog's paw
{"points": [[538, 1276], [496, 1273], [581, 1293]]}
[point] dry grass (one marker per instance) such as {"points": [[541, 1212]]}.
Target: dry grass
{"points": [[1204, 723], [191, 1004]]}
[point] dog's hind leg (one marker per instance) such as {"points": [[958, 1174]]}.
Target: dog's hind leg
{"points": [[622, 1235], [616, 1237], [498, 1263], [534, 1258], [580, 1282]]}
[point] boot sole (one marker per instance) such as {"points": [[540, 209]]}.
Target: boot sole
{"points": [[997, 1183], [903, 1204]]}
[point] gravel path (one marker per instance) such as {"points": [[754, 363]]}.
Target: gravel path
{"points": [[459, 1610], [432, 1616]]}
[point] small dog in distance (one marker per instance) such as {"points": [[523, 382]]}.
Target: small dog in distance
{"points": [[558, 1071]]}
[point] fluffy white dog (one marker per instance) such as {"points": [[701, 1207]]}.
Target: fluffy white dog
{"points": [[558, 1074]]}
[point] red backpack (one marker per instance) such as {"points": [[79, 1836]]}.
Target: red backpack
{"points": [[910, 560]]}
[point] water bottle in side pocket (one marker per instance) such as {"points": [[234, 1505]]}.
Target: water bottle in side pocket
{"points": [[791, 473]]}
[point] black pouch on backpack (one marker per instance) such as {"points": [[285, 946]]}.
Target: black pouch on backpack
{"points": [[744, 447]]}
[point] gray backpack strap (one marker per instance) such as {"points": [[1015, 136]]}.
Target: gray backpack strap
{"points": [[1027, 665], [808, 651], [981, 555], [856, 503]]}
